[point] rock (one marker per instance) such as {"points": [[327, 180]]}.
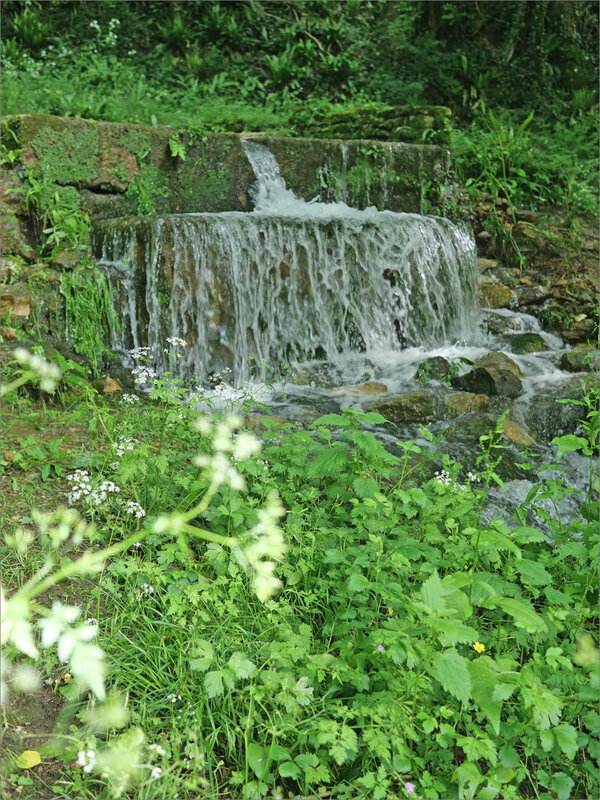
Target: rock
{"points": [[500, 361], [360, 390], [460, 403], [523, 343], [66, 259], [408, 407], [503, 324], [581, 359], [490, 381], [110, 385], [532, 295], [471, 426], [494, 294], [16, 302], [581, 331], [433, 369], [484, 264], [8, 333], [517, 434], [525, 215]]}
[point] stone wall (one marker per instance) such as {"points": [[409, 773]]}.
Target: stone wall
{"points": [[122, 169]]}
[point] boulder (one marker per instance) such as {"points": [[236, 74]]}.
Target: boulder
{"points": [[494, 294], [523, 343], [433, 369], [498, 360], [581, 359], [407, 407], [459, 403], [532, 295], [489, 381], [503, 324], [581, 331], [516, 433], [359, 390]]}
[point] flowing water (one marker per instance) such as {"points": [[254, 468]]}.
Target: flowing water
{"points": [[317, 298]]}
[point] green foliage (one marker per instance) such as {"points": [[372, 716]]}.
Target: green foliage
{"points": [[88, 312]]}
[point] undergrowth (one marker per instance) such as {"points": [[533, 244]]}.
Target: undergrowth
{"points": [[412, 650]]}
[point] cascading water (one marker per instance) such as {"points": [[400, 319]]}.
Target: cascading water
{"points": [[287, 282]]}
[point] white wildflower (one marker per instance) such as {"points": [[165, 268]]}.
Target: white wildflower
{"points": [[87, 760], [135, 509]]}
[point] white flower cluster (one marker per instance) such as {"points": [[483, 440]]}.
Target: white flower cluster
{"points": [[175, 341], [82, 488], [224, 442], [156, 773], [87, 760], [143, 375], [132, 399], [82, 485], [99, 495], [147, 588], [135, 509], [139, 353], [47, 373], [173, 698], [266, 548], [122, 444], [445, 479], [160, 751]]}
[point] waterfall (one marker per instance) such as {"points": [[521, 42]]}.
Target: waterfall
{"points": [[291, 280]]}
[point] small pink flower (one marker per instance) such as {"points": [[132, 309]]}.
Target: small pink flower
{"points": [[410, 787], [137, 544], [381, 648]]}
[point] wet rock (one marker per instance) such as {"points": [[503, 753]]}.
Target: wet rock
{"points": [[490, 381], [459, 403], [65, 260], [494, 294], [407, 407], [524, 343], [360, 390], [16, 302], [8, 333], [433, 369], [503, 324], [532, 295], [516, 433], [581, 331], [500, 361], [485, 264], [583, 358], [547, 418], [110, 385]]}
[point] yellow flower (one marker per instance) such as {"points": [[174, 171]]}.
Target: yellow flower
{"points": [[480, 648]]}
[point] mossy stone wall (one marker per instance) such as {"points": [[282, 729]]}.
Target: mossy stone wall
{"points": [[122, 169]]}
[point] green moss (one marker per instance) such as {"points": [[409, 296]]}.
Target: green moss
{"points": [[67, 156], [120, 172], [148, 190], [207, 188], [137, 142]]}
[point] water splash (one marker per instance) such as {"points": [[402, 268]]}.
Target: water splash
{"points": [[289, 281]]}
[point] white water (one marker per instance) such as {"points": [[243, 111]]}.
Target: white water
{"points": [[290, 281]]}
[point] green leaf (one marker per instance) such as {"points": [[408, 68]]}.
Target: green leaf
{"points": [[566, 736], [569, 443], [562, 785], [451, 671], [257, 757], [365, 487], [533, 573], [45, 471], [522, 613], [432, 592], [203, 655], [357, 582], [28, 759], [547, 740], [509, 758], [289, 770], [243, 667], [332, 420], [494, 540], [329, 461], [484, 679], [213, 683]]}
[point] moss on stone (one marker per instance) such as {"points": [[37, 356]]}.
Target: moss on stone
{"points": [[67, 156]]}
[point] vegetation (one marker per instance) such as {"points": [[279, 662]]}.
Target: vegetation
{"points": [[231, 606]]}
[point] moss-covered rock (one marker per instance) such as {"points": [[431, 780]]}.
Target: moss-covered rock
{"points": [[459, 403], [583, 358], [499, 360], [494, 294], [523, 343], [435, 368], [407, 407]]}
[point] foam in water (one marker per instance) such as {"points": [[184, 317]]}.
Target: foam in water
{"points": [[290, 281]]}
